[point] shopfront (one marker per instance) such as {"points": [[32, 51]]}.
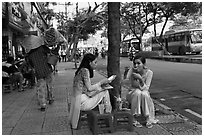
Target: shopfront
{"points": [[13, 29]]}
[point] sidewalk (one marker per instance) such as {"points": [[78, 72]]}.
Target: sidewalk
{"points": [[20, 114]]}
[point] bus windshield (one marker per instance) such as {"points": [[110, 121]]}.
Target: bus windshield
{"points": [[196, 36]]}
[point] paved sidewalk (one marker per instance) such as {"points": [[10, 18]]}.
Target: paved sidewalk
{"points": [[21, 116]]}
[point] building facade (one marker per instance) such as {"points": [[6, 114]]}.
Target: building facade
{"points": [[19, 19]]}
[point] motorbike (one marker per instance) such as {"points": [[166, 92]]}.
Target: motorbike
{"points": [[132, 54]]}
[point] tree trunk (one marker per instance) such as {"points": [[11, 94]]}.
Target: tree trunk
{"points": [[74, 50], [160, 37], [113, 65]]}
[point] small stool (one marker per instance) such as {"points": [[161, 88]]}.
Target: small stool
{"points": [[7, 88], [83, 118], [123, 119], [100, 122]]}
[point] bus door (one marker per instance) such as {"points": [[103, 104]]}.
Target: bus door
{"points": [[166, 44], [188, 42]]}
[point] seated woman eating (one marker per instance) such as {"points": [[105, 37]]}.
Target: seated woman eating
{"points": [[139, 77], [86, 96]]}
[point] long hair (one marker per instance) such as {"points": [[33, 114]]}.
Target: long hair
{"points": [[85, 63]]}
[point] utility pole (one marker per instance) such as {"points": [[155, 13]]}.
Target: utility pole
{"points": [[140, 46], [66, 10]]}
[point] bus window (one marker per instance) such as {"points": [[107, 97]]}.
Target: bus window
{"points": [[170, 38], [182, 36]]}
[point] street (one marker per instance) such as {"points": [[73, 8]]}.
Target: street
{"points": [[21, 114], [180, 85]]}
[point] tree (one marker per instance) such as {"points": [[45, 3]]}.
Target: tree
{"points": [[113, 66], [187, 22], [84, 22], [48, 13], [136, 15]]}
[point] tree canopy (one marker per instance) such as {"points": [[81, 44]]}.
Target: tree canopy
{"points": [[136, 17]]}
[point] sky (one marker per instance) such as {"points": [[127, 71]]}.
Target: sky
{"points": [[70, 9]]}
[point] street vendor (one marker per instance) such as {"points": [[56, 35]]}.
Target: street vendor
{"points": [[38, 58]]}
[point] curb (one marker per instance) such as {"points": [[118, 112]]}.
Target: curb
{"points": [[178, 59]]}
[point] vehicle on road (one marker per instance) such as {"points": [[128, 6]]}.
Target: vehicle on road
{"points": [[129, 48], [179, 42]]}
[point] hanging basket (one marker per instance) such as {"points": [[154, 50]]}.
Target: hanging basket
{"points": [[52, 59], [51, 37]]}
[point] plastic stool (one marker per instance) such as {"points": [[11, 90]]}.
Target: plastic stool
{"points": [[123, 119], [83, 118], [7, 88], [100, 122]]}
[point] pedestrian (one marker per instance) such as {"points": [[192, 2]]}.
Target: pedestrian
{"points": [[86, 96], [103, 54], [63, 55], [59, 53], [43, 72], [140, 77], [96, 52]]}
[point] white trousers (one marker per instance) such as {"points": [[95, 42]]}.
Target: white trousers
{"points": [[141, 102], [89, 103]]}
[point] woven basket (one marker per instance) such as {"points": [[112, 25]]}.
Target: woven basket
{"points": [[51, 36]]}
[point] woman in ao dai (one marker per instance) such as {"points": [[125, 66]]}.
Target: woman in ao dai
{"points": [[140, 77], [86, 96]]}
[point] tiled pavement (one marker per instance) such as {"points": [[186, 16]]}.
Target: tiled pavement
{"points": [[21, 114]]}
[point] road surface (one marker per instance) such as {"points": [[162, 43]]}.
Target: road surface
{"points": [[177, 85]]}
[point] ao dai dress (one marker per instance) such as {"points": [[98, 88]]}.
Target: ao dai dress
{"points": [[139, 97], [81, 98]]}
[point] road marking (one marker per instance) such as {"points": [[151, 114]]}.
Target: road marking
{"points": [[194, 113], [164, 106]]}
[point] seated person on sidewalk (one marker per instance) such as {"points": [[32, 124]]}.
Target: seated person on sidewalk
{"points": [[15, 76], [139, 77], [28, 73], [86, 96]]}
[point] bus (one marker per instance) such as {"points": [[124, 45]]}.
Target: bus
{"points": [[127, 45], [180, 42]]}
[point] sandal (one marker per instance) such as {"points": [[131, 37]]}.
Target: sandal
{"points": [[149, 125], [154, 121], [137, 124]]}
